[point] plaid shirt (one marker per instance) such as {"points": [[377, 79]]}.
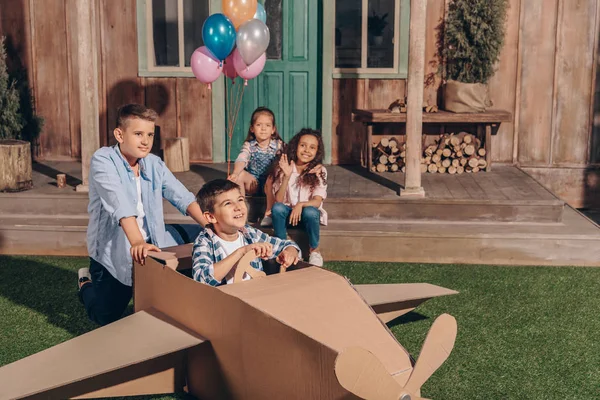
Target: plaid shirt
{"points": [[208, 251]]}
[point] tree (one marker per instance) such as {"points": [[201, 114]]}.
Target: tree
{"points": [[473, 38], [11, 120]]}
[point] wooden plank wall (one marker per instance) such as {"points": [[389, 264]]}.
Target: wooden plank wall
{"points": [[43, 31], [557, 86], [546, 76]]}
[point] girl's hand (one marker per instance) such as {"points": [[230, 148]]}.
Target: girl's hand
{"points": [[296, 214], [316, 170], [285, 166], [233, 177]]}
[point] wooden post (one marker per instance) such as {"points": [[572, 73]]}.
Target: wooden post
{"points": [[414, 109], [488, 147], [369, 147], [87, 71]]}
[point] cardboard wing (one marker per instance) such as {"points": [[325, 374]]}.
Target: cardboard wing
{"points": [[390, 301], [140, 354]]}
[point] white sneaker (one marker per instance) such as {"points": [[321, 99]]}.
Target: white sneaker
{"points": [[266, 221], [83, 276], [315, 259]]}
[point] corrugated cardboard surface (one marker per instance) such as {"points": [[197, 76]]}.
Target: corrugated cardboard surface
{"points": [[390, 301], [124, 351], [326, 308], [259, 356], [376, 295]]}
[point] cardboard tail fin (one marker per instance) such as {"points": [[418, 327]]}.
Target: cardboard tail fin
{"points": [[139, 354], [390, 301]]}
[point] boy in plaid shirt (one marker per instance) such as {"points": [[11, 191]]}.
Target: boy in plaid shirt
{"points": [[227, 237]]}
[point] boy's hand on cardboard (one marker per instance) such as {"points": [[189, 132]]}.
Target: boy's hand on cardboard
{"points": [[286, 166], [296, 214], [288, 257], [139, 251], [262, 249]]}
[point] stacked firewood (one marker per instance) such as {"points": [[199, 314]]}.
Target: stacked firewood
{"points": [[454, 154], [389, 156], [451, 153]]}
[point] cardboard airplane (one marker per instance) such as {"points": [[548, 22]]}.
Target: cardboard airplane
{"points": [[302, 334]]}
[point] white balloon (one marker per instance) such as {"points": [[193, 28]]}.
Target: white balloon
{"points": [[252, 40]]}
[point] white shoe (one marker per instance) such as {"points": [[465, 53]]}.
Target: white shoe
{"points": [[266, 221], [315, 259], [83, 276]]}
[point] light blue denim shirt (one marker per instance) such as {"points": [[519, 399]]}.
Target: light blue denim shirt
{"points": [[113, 195]]}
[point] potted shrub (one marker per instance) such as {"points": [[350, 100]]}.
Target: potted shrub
{"points": [[376, 25], [473, 37], [15, 154]]}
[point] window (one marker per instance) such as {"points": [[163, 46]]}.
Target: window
{"points": [[274, 9], [371, 37], [168, 33]]}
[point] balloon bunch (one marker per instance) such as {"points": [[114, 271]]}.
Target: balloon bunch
{"points": [[238, 37]]}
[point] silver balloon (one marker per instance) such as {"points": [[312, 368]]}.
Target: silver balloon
{"points": [[252, 40]]}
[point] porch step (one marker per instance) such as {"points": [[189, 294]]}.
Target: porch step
{"points": [[574, 241], [426, 209], [383, 209]]}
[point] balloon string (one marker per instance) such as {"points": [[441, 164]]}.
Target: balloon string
{"points": [[228, 93], [233, 113], [235, 116], [230, 128]]}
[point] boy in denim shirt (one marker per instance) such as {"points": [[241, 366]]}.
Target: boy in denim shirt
{"points": [[227, 237], [126, 189]]}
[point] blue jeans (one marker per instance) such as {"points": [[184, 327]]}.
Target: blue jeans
{"points": [[105, 299], [309, 222]]}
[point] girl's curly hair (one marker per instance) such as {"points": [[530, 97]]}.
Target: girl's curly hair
{"points": [[254, 117], [291, 150]]}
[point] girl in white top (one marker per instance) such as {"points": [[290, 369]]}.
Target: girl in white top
{"points": [[300, 186]]}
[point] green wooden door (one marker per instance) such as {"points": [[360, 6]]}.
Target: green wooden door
{"points": [[290, 82]]}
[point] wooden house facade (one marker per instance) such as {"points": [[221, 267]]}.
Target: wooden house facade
{"points": [[546, 78]]}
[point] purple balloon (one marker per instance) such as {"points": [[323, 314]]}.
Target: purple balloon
{"points": [[228, 68], [204, 66], [251, 71]]}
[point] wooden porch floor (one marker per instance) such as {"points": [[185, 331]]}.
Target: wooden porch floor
{"points": [[502, 183]]}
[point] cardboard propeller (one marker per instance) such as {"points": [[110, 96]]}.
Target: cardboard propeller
{"points": [[372, 381], [280, 336], [243, 267]]}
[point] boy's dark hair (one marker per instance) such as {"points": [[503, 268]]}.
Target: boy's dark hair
{"points": [[210, 190], [253, 118], [291, 150], [129, 111]]}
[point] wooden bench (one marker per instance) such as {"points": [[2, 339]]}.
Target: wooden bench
{"points": [[487, 125]]}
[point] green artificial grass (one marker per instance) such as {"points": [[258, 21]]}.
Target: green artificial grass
{"points": [[523, 332]]}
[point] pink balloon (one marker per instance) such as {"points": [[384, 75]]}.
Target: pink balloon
{"points": [[248, 71], [204, 66], [228, 68]]}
